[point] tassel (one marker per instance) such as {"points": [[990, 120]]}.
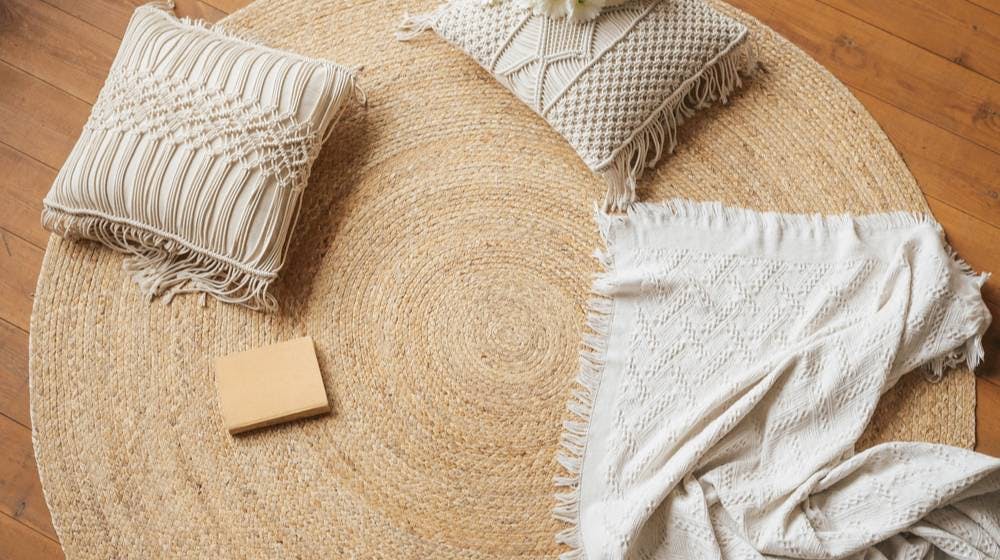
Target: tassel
{"points": [[165, 268], [413, 25], [573, 440], [658, 135]]}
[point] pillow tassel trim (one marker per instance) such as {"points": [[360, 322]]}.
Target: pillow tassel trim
{"points": [[413, 25], [164, 266], [716, 81]]}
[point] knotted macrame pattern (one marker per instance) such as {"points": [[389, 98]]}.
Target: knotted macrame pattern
{"points": [[616, 87], [195, 156]]}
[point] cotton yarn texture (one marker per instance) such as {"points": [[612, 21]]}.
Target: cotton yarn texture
{"points": [[616, 87], [796, 324], [442, 263], [195, 156]]}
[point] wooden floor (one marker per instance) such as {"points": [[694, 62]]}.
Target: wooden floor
{"points": [[927, 70]]}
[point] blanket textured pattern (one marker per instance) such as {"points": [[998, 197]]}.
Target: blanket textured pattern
{"points": [[797, 325]]}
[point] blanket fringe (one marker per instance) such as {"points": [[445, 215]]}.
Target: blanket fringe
{"points": [[710, 214], [573, 441], [165, 267], [969, 354], [658, 135]]}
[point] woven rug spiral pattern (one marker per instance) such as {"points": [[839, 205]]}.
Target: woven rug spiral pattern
{"points": [[442, 264]]}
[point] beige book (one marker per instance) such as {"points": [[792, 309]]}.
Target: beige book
{"points": [[270, 385]]}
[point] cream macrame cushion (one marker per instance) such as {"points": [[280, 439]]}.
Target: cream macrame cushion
{"points": [[195, 157], [617, 86]]}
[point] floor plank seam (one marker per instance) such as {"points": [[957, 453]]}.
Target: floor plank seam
{"points": [[6, 247], [908, 41], [27, 156], [987, 8], [81, 20], [914, 115], [29, 527], [15, 421], [42, 80]]}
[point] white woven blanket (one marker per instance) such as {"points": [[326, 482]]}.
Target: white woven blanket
{"points": [[736, 358]]}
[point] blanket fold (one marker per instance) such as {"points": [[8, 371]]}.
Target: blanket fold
{"points": [[736, 358]]}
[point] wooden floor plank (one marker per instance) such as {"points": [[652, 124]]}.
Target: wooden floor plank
{"points": [[14, 373], [947, 166], [37, 118], [957, 30], [991, 5], [987, 419], [990, 368], [55, 47], [20, 262], [20, 489], [20, 542], [23, 185], [890, 68], [112, 16]]}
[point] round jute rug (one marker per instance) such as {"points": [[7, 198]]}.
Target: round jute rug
{"points": [[442, 265]]}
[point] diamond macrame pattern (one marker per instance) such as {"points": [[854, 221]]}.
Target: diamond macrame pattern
{"points": [[544, 55], [184, 112]]}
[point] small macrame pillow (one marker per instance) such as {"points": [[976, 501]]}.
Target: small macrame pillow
{"points": [[615, 86], [195, 157]]}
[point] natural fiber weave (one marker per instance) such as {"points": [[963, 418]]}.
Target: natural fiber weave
{"points": [[445, 289]]}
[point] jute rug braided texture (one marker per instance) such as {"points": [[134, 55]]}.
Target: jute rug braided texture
{"points": [[442, 265]]}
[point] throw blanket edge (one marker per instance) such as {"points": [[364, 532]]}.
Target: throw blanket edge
{"points": [[600, 312]]}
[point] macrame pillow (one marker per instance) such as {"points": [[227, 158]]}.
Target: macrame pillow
{"points": [[616, 86], [195, 157]]}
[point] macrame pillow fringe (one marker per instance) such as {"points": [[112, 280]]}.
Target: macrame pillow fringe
{"points": [[413, 25], [165, 267], [658, 135], [970, 352]]}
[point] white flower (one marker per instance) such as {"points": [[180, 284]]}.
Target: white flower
{"points": [[551, 8], [585, 10], [580, 10]]}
